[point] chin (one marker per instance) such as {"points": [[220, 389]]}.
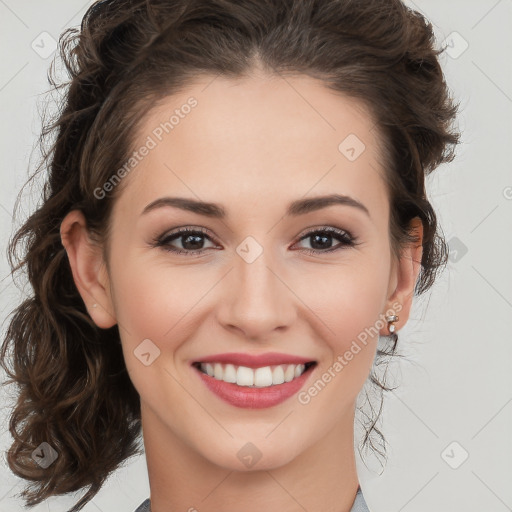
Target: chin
{"points": [[261, 454]]}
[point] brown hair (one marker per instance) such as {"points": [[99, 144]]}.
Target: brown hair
{"points": [[74, 390]]}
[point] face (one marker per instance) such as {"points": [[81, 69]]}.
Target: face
{"points": [[262, 281]]}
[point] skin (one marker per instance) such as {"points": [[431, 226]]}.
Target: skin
{"points": [[253, 145]]}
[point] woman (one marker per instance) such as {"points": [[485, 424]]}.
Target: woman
{"points": [[235, 212]]}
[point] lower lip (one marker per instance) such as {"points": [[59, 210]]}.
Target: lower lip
{"points": [[254, 398]]}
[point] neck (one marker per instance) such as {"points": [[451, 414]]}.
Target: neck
{"points": [[322, 478]]}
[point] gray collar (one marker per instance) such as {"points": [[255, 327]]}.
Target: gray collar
{"points": [[359, 504]]}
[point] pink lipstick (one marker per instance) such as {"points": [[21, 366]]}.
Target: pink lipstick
{"points": [[254, 381]]}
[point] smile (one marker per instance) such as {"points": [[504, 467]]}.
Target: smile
{"points": [[262, 377], [254, 381]]}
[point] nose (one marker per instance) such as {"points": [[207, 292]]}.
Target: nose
{"points": [[256, 300]]}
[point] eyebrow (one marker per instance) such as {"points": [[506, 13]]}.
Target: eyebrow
{"points": [[214, 210]]}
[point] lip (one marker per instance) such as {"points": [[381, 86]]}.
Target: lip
{"points": [[253, 397], [255, 361]]}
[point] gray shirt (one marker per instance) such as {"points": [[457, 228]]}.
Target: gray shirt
{"points": [[358, 506]]}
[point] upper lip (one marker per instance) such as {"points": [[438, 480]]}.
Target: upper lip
{"points": [[255, 361]]}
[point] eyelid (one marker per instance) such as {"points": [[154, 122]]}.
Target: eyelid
{"points": [[328, 228], [183, 230]]}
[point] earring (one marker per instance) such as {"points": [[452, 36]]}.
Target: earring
{"points": [[94, 305], [391, 319]]}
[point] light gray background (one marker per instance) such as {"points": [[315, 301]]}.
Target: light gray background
{"points": [[456, 385]]}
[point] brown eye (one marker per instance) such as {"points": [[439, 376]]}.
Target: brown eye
{"points": [[321, 240], [191, 240]]}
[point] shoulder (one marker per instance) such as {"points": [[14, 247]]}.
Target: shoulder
{"points": [[144, 507], [359, 504]]}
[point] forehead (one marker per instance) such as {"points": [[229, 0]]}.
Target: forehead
{"points": [[257, 140]]}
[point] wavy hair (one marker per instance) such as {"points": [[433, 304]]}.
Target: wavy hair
{"points": [[74, 391]]}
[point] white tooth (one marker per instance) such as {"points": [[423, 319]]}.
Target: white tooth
{"points": [[299, 369], [217, 371], [259, 377], [278, 375], [244, 376], [263, 377], [289, 373], [229, 373]]}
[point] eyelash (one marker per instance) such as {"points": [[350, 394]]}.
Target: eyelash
{"points": [[347, 240]]}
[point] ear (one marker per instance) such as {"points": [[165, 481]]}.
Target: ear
{"points": [[89, 269], [404, 278]]}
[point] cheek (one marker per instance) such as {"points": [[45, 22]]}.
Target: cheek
{"points": [[156, 304], [166, 305], [151, 300], [349, 298], [359, 307]]}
